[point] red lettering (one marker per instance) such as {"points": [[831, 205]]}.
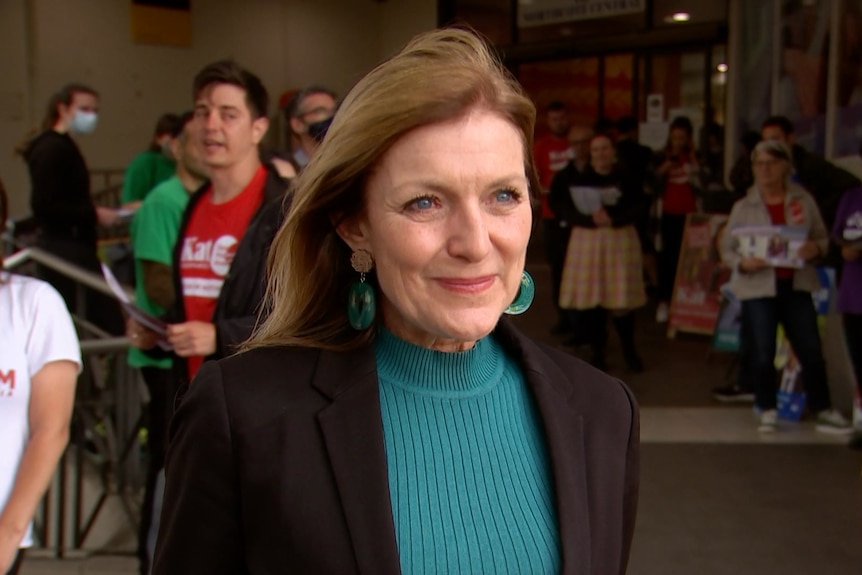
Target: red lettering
{"points": [[8, 378]]}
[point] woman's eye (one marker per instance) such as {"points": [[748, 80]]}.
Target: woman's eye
{"points": [[506, 195], [422, 203]]}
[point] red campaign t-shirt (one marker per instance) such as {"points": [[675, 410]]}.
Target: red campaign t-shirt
{"points": [[551, 155], [776, 214], [678, 195], [209, 244]]}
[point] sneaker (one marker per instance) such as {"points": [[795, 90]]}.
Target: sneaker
{"points": [[732, 394], [768, 421], [831, 421], [662, 312]]}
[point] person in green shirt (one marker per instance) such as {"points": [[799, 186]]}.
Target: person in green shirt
{"points": [[154, 231], [152, 167]]}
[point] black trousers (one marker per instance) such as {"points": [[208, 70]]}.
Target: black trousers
{"points": [[795, 311], [159, 384], [672, 229]]}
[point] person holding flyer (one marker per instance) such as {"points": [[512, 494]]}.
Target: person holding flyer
{"points": [[780, 295]]}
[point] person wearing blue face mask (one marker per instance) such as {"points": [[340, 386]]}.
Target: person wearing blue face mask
{"points": [[61, 202]]}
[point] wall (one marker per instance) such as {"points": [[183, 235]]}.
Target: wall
{"points": [[14, 115], [288, 43]]}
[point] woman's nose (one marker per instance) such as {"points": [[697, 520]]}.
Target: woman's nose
{"points": [[469, 235]]}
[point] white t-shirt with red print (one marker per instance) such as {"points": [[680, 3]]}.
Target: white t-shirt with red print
{"points": [[35, 329]]}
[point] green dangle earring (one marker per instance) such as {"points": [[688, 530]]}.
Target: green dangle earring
{"points": [[361, 306], [526, 293]]}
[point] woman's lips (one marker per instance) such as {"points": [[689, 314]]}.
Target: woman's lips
{"points": [[466, 285]]}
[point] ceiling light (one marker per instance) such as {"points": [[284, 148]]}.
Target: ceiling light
{"points": [[679, 17], [722, 68]]}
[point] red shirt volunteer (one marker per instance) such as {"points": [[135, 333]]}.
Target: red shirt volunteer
{"points": [[678, 194], [209, 244]]}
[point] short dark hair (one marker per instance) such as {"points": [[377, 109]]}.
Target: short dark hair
{"points": [[298, 98], [556, 106], [682, 123], [166, 124], [783, 123], [627, 124], [229, 72], [181, 123]]}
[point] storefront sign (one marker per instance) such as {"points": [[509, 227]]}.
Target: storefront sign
{"points": [[543, 12]]}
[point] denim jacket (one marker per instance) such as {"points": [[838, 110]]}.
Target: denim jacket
{"points": [[752, 211]]}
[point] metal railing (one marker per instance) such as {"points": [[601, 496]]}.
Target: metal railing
{"points": [[106, 421]]}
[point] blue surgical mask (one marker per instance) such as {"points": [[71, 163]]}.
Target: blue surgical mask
{"points": [[83, 122]]}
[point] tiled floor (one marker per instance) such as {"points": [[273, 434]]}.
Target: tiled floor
{"points": [[717, 497]]}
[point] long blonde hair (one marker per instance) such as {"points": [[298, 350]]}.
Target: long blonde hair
{"points": [[438, 76]]}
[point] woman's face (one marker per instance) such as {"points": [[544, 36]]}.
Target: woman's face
{"points": [[447, 222], [769, 171], [602, 154], [678, 140]]}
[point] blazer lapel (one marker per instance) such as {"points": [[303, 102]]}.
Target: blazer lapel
{"points": [[564, 433], [353, 433]]}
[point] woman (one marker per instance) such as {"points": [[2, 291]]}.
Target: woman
{"points": [[61, 202], [679, 171], [604, 264], [847, 232], [328, 445], [779, 295], [39, 363]]}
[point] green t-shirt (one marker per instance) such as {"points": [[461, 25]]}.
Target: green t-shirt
{"points": [[146, 171], [154, 232]]}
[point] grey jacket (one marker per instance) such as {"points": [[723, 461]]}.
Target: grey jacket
{"points": [[752, 211]]}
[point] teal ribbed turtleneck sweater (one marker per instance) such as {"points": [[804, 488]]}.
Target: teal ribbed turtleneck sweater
{"points": [[469, 475]]}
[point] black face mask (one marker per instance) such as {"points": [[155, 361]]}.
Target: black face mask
{"points": [[317, 130]]}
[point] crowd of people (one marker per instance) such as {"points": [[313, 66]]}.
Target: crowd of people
{"points": [[335, 357], [602, 191], [603, 255]]}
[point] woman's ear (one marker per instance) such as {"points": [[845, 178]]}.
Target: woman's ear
{"points": [[354, 232]]}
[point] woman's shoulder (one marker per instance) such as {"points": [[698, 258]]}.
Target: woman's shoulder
{"points": [[270, 362], [257, 385], [28, 303]]}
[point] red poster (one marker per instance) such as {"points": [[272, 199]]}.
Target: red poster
{"points": [[699, 276]]}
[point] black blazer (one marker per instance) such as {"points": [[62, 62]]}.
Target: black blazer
{"points": [[277, 464]]}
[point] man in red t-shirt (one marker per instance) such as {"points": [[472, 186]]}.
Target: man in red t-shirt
{"points": [[219, 260], [551, 153]]}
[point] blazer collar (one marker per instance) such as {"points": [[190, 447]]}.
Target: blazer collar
{"points": [[353, 433]]}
